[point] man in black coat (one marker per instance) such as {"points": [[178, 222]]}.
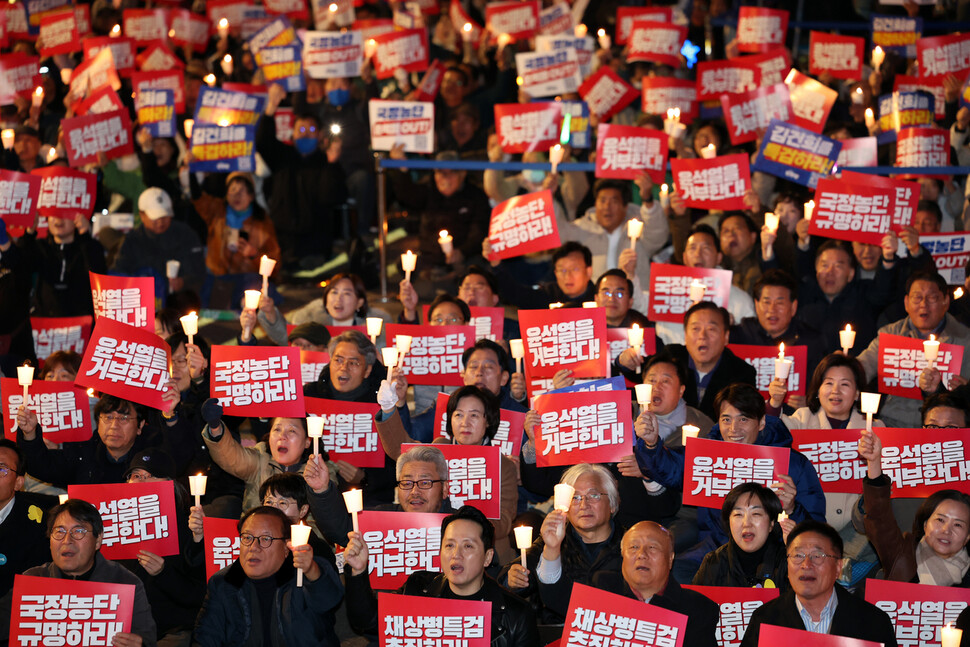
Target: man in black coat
{"points": [[815, 602], [23, 540]]}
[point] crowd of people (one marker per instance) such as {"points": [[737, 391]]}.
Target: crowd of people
{"points": [[627, 529]]}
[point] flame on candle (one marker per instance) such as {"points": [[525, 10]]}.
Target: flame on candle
{"points": [[467, 27], [333, 7], [210, 79], [116, 31]]}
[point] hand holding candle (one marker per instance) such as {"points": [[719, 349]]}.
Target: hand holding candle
{"points": [[266, 267], [869, 404], [878, 56], [635, 337], [950, 636], [555, 156], [634, 228], [809, 209], [523, 539], [299, 536], [931, 350], [408, 261], [688, 431], [446, 242], [314, 429], [782, 365], [518, 352], [190, 325], [25, 377], [697, 291], [644, 395], [771, 222], [563, 496], [354, 500], [197, 487]]}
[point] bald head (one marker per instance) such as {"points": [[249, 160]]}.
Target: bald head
{"points": [[648, 555]]}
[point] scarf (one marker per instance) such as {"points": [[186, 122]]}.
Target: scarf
{"points": [[941, 571], [673, 421], [235, 219]]}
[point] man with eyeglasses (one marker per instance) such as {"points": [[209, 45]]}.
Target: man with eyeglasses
{"points": [[572, 265], [22, 540], [614, 293], [256, 600], [927, 300], [816, 602], [75, 530]]}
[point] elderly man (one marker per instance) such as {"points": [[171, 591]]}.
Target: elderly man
{"points": [[467, 546], [21, 526], [256, 601], [353, 373], [815, 602], [75, 530], [573, 266]]}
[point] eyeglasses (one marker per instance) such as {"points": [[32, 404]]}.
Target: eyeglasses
{"points": [[484, 367], [568, 271], [942, 427], [4, 471], [609, 294], [282, 504], [181, 362], [109, 419], [441, 321], [423, 484], [931, 300], [77, 533], [816, 558], [589, 497], [264, 542], [339, 361]]}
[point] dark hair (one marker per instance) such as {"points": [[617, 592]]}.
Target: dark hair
{"points": [[169, 318], [748, 222], [491, 403], [794, 196], [488, 345], [929, 506], [307, 115], [700, 306], [776, 278], [21, 467], [359, 288], [285, 484], [931, 207], [179, 338], [65, 358], [837, 245], [112, 403], [468, 513], [769, 501], [81, 511], [447, 298], [620, 274], [485, 274], [665, 357], [266, 511], [572, 247], [706, 230], [743, 397], [617, 185], [931, 276], [830, 361], [938, 400], [819, 528]]}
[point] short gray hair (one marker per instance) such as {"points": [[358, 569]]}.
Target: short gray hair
{"points": [[358, 339], [423, 454], [607, 481]]}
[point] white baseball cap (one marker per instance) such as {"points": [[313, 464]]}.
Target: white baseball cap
{"points": [[155, 204]]}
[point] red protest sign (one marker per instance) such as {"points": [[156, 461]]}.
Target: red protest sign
{"points": [[626, 15], [811, 101], [839, 56], [349, 431], [52, 334], [670, 289], [189, 29], [520, 20], [145, 25], [312, 362], [718, 183], [100, 102], [606, 93], [293, 9], [127, 362], [232, 10], [427, 89], [656, 42], [95, 73], [127, 299], [775, 635], [917, 610], [714, 78], [136, 516], [488, 322], [736, 604], [435, 354], [474, 476], [221, 545], [406, 49], [65, 192], [18, 198], [834, 453], [508, 438], [59, 33], [858, 151], [618, 340], [405, 618], [661, 93], [17, 72], [624, 152], [590, 427], [459, 18], [713, 467], [748, 114], [258, 381], [122, 53], [940, 56], [88, 135], [923, 147], [557, 339], [96, 610], [523, 128], [16, 21], [392, 558], [590, 608], [862, 208], [901, 360], [4, 35], [763, 358], [162, 80], [82, 16], [522, 225], [62, 409], [158, 57], [760, 29]]}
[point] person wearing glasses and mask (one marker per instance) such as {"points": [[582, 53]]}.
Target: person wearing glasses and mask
{"points": [[256, 600], [816, 602], [75, 530]]}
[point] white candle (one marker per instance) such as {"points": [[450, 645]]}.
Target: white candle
{"points": [[223, 28], [370, 48], [354, 500], [869, 405], [644, 395], [688, 431], [38, 97], [374, 325], [61, 498], [664, 196], [503, 40], [25, 377], [408, 261], [403, 343], [314, 429], [590, 304], [771, 222], [555, 156], [389, 355], [697, 291], [878, 56], [634, 228], [523, 539], [847, 338], [635, 336], [209, 79], [809, 209], [51, 154], [950, 636], [66, 74], [197, 487], [266, 267], [604, 39], [299, 536], [7, 137], [958, 293], [190, 325], [580, 31], [858, 97], [782, 368], [251, 299], [445, 240], [172, 269], [226, 64], [115, 31], [709, 152], [518, 352], [466, 32], [556, 305], [931, 348], [187, 127], [870, 119], [782, 516], [563, 496]]}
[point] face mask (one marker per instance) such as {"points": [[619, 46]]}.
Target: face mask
{"points": [[535, 176], [305, 145], [338, 97]]}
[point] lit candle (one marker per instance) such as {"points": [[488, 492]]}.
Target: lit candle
{"points": [[634, 227], [226, 64], [445, 240], [782, 365], [870, 119], [809, 209], [266, 267], [172, 269], [523, 539], [251, 299], [709, 152], [858, 97], [189, 123], [403, 343], [771, 222], [518, 352], [210, 79], [580, 31], [688, 431], [389, 355], [555, 156], [503, 40], [519, 81], [697, 291], [51, 154], [197, 487], [590, 305], [408, 260], [314, 429], [190, 325], [644, 395], [782, 516], [62, 498], [869, 405], [25, 377], [603, 38], [374, 325], [66, 74], [7, 137], [370, 48], [223, 28], [563, 496], [556, 305], [333, 7], [878, 56], [115, 31], [299, 536], [781, 350], [950, 636], [354, 500], [847, 338], [635, 337], [958, 293], [931, 348], [664, 196], [38, 97], [672, 126]]}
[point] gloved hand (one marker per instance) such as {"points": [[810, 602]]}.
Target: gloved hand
{"points": [[212, 414], [387, 396]]}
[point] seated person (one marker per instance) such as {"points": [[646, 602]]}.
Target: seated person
{"points": [[288, 492], [614, 293], [22, 539], [573, 267], [467, 546]]}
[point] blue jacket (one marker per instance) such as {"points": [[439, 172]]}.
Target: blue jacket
{"points": [[666, 466]]}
